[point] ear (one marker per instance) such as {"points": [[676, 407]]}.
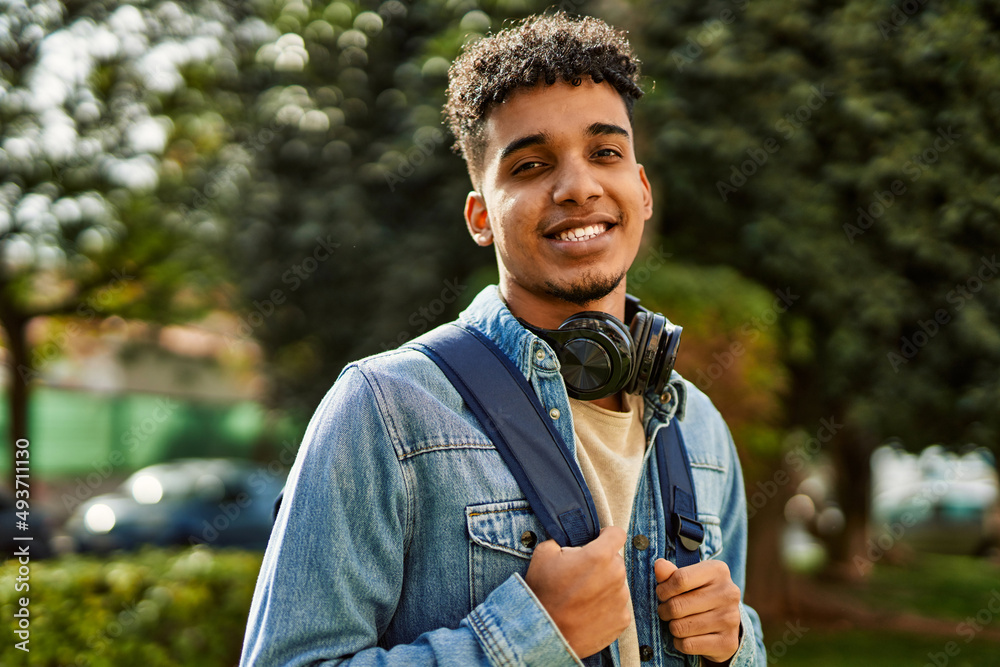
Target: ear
{"points": [[477, 219], [647, 194]]}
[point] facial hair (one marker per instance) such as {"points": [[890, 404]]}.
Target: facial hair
{"points": [[588, 289]]}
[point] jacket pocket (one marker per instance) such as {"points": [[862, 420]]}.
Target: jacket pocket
{"points": [[502, 537]]}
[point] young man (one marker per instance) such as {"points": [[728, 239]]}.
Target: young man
{"points": [[403, 538]]}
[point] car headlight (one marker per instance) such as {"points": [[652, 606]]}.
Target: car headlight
{"points": [[147, 490], [99, 519]]}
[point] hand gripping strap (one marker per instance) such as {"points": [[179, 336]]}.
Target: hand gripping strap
{"points": [[677, 491], [514, 419]]}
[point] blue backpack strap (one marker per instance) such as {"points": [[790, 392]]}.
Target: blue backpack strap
{"points": [[677, 491], [511, 415]]}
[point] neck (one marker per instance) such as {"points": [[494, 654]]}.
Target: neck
{"points": [[548, 312], [614, 402]]}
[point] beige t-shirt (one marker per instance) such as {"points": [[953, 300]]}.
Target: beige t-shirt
{"points": [[610, 447]]}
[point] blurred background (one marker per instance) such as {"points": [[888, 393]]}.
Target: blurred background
{"points": [[208, 208]]}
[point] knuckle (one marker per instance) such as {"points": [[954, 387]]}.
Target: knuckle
{"points": [[674, 607], [678, 628], [682, 644], [544, 549]]}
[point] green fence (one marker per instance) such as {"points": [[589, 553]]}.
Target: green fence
{"points": [[75, 432]]}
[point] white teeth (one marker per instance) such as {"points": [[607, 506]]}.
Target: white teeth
{"points": [[583, 233]]}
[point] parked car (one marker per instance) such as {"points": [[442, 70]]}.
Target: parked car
{"points": [[938, 500], [38, 530], [219, 502]]}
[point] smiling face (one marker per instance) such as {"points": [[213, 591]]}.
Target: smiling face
{"points": [[563, 199]]}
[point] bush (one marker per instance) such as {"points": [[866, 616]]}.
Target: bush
{"points": [[157, 608]]}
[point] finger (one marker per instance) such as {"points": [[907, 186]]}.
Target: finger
{"points": [[609, 542], [715, 647], [693, 577], [684, 605], [546, 548], [662, 569], [717, 595], [713, 621]]}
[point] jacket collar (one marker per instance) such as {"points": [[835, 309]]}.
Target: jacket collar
{"points": [[490, 315]]}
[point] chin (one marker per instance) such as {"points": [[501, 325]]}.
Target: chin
{"points": [[586, 289]]}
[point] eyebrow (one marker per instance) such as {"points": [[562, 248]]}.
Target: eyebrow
{"points": [[541, 138], [597, 129], [531, 140]]}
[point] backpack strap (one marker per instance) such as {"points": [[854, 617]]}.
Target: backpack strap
{"points": [[510, 413], [535, 453], [677, 492]]}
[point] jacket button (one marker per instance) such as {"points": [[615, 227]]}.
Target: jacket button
{"points": [[540, 354], [554, 413], [640, 542], [645, 653], [529, 539], [665, 397]]}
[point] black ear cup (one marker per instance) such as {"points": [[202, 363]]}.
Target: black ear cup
{"points": [[656, 342], [599, 356], [586, 367], [643, 329], [595, 354]]}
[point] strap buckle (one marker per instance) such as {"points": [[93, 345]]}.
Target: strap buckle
{"points": [[690, 532]]}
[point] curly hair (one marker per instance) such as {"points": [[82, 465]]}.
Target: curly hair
{"points": [[540, 48]]}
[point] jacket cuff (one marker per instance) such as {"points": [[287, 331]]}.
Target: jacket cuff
{"points": [[746, 652], [514, 629]]}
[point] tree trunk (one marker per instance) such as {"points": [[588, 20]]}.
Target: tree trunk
{"points": [[767, 586], [852, 458]]}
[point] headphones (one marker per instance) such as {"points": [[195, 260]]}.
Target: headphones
{"points": [[600, 356]]}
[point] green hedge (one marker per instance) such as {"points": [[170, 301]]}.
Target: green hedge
{"points": [[156, 608]]}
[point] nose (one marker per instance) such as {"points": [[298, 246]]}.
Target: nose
{"points": [[576, 183]]}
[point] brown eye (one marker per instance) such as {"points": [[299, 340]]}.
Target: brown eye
{"points": [[525, 166]]}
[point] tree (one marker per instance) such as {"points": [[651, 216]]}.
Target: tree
{"points": [[348, 239], [846, 151], [89, 224]]}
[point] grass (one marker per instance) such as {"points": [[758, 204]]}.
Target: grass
{"points": [[952, 589], [861, 648]]}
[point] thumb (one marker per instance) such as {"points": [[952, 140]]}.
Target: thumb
{"points": [[547, 547], [611, 538], [662, 569]]}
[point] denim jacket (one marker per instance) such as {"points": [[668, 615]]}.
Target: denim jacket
{"points": [[399, 539]]}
